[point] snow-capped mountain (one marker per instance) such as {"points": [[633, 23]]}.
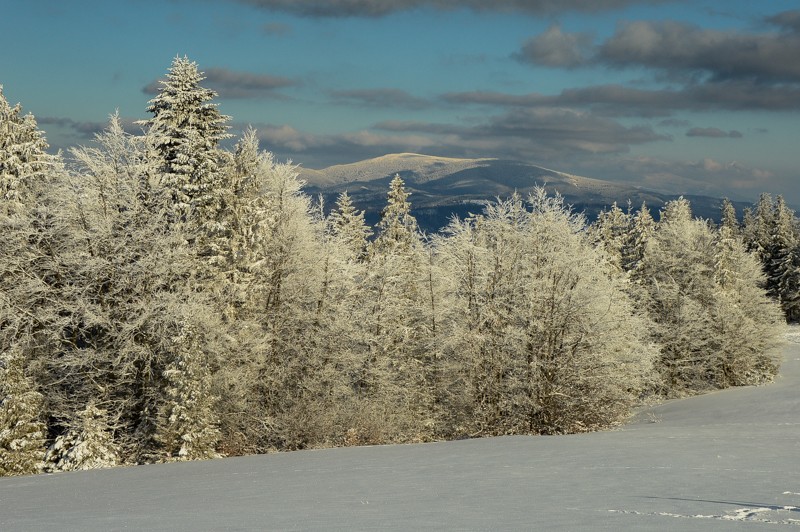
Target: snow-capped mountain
{"points": [[442, 186]]}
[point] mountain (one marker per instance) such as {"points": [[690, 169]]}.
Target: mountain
{"points": [[441, 187]]}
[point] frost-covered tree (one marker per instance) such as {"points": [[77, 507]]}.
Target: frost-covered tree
{"points": [[397, 228], [728, 217], [398, 314], [23, 156], [772, 232], [539, 332], [347, 225], [188, 425], [88, 445], [22, 432], [184, 134], [612, 231], [697, 286]]}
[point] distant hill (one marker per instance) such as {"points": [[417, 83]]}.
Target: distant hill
{"points": [[441, 187]]}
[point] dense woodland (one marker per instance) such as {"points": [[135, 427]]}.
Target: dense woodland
{"points": [[163, 298]]}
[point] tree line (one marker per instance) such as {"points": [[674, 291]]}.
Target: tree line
{"points": [[163, 298]]}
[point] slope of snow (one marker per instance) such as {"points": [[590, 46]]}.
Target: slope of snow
{"points": [[723, 461]]}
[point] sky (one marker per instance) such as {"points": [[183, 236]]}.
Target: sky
{"points": [[681, 96]]}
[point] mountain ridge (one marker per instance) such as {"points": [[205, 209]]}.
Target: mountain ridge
{"points": [[441, 187]]}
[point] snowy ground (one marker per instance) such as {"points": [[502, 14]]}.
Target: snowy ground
{"points": [[724, 461]]}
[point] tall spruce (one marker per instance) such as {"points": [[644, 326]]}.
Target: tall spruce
{"points": [[184, 133]]}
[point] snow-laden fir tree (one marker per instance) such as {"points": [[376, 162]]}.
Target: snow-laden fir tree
{"points": [[696, 288], [188, 424], [728, 217], [22, 433], [347, 226], [23, 154], [88, 445], [641, 230], [397, 228], [612, 231], [184, 134], [399, 316]]}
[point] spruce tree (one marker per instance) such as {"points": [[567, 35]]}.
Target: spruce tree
{"points": [[22, 433], [88, 445], [188, 426], [23, 156], [348, 227], [397, 228], [184, 134], [728, 218]]}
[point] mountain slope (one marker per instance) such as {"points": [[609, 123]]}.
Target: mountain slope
{"points": [[441, 186]]}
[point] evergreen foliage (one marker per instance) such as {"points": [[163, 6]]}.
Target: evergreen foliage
{"points": [[22, 433], [89, 445]]}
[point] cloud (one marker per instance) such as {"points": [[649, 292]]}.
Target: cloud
{"points": [[713, 132], [679, 51], [552, 135], [787, 20], [85, 129], [230, 84], [554, 48], [539, 133], [387, 98], [681, 48], [380, 8], [619, 100]]}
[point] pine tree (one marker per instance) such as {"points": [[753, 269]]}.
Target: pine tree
{"points": [[697, 287], [22, 433], [642, 229], [789, 284], [89, 445]]}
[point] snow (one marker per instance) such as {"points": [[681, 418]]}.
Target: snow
{"points": [[722, 461]]}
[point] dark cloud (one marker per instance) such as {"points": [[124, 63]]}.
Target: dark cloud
{"points": [[713, 132], [680, 51], [788, 20], [387, 98], [720, 55], [230, 84], [619, 100], [549, 132], [84, 129], [380, 8], [555, 48]]}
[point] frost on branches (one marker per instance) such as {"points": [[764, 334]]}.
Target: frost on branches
{"points": [[188, 425], [22, 151], [90, 445], [184, 132], [22, 434]]}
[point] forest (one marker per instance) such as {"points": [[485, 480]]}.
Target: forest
{"points": [[164, 298]]}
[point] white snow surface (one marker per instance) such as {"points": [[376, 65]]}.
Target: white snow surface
{"points": [[729, 460]]}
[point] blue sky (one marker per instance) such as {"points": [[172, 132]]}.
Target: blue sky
{"points": [[692, 96]]}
